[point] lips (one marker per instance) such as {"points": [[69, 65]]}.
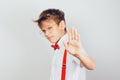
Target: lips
{"points": [[49, 38]]}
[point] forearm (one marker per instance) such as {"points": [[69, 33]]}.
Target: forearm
{"points": [[85, 60]]}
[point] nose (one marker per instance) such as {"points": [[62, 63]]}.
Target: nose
{"points": [[46, 33]]}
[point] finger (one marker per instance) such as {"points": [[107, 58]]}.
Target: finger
{"points": [[78, 37], [79, 40], [72, 33], [69, 34], [75, 34], [65, 45]]}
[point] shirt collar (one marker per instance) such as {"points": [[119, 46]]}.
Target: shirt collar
{"points": [[63, 38]]}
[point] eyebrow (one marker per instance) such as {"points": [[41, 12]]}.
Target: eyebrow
{"points": [[49, 27]]}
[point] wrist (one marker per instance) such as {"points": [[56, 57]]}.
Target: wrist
{"points": [[77, 53]]}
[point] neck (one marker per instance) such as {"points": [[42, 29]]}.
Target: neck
{"points": [[63, 33]]}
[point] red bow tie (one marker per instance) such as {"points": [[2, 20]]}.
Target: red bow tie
{"points": [[56, 46]]}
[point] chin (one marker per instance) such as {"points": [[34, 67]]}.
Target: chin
{"points": [[53, 41]]}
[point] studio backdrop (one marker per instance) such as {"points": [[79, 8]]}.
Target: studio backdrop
{"points": [[24, 53]]}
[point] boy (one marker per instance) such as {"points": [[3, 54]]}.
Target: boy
{"points": [[69, 58]]}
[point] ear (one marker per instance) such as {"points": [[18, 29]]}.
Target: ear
{"points": [[62, 25]]}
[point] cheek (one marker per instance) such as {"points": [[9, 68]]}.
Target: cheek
{"points": [[56, 32]]}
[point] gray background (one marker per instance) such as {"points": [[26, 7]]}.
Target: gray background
{"points": [[24, 54]]}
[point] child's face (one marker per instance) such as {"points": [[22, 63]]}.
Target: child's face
{"points": [[52, 31]]}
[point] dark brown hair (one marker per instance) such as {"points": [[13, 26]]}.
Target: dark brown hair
{"points": [[55, 14]]}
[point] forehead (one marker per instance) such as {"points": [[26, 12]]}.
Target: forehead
{"points": [[48, 23]]}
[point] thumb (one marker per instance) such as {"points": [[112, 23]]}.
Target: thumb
{"points": [[65, 44]]}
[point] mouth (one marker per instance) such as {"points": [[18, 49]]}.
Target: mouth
{"points": [[49, 38], [52, 39]]}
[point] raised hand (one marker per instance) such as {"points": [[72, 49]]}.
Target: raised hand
{"points": [[73, 46]]}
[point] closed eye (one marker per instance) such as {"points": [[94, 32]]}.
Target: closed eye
{"points": [[49, 28], [43, 31]]}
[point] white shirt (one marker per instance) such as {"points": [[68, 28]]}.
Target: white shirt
{"points": [[74, 69]]}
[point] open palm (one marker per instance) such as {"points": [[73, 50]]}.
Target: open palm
{"points": [[73, 44]]}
